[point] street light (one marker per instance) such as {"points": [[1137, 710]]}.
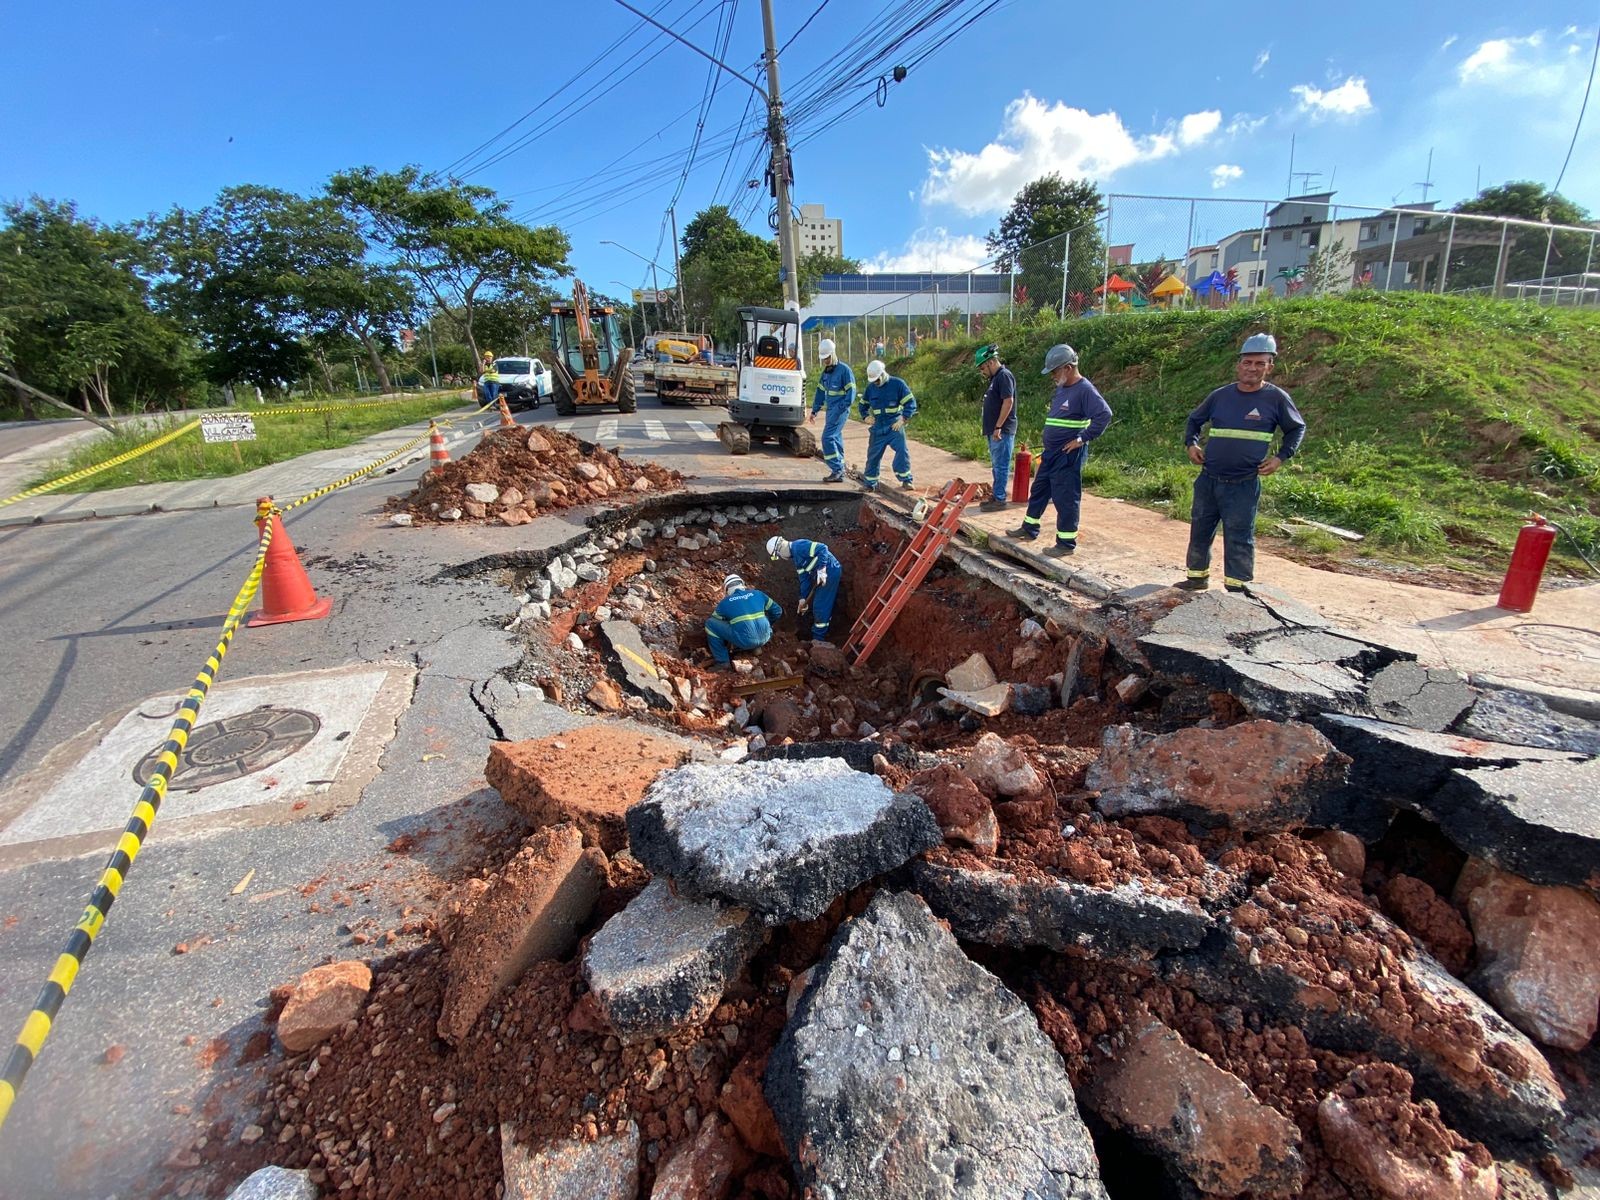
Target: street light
{"points": [[655, 282]]}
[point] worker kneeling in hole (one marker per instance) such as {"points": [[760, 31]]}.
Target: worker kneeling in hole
{"points": [[742, 621], [886, 406], [818, 572]]}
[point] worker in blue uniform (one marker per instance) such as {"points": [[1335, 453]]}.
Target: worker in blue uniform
{"points": [[836, 391], [886, 406], [741, 621], [1237, 456], [1078, 414], [818, 573]]}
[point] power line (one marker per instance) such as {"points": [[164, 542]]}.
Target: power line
{"points": [[1582, 108], [784, 48]]}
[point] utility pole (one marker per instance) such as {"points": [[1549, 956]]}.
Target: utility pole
{"points": [[780, 165], [677, 268]]}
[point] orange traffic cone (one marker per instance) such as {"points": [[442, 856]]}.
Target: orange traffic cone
{"points": [[505, 415], [437, 454], [286, 591]]}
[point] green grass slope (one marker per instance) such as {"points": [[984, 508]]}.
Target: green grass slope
{"points": [[1436, 423]]}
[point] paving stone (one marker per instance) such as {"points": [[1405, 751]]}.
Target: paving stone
{"points": [[1429, 698], [604, 1169], [1261, 776], [1202, 1121], [990, 702], [634, 660], [1000, 908], [909, 1071], [531, 910], [1522, 719], [1536, 958], [663, 962], [589, 776], [275, 1183], [781, 838]]}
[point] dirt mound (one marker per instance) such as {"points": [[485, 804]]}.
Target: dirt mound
{"points": [[517, 473]]}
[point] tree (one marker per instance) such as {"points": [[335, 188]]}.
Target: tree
{"points": [[1526, 249], [724, 266], [1042, 212], [64, 280], [457, 241], [819, 263], [1327, 270]]}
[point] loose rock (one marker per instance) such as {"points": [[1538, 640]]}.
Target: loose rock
{"points": [[964, 813], [706, 1168], [1000, 769], [604, 1169], [322, 1001], [275, 1183]]}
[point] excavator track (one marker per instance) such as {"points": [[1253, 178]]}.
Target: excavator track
{"points": [[735, 437], [801, 441]]}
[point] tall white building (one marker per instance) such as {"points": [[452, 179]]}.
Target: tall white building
{"points": [[815, 230]]}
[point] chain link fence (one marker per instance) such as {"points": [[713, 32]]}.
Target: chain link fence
{"points": [[1163, 252]]}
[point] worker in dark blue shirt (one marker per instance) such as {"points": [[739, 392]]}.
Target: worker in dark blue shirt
{"points": [[836, 393], [742, 621], [1243, 417], [1078, 414], [999, 421], [886, 406], [818, 573]]}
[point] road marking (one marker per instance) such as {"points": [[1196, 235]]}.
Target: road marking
{"points": [[656, 431], [565, 426], [702, 431], [606, 431]]}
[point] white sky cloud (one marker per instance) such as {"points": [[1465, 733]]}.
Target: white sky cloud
{"points": [[1449, 41], [1349, 99], [1225, 173], [1037, 138], [1262, 60], [1243, 125], [1535, 65], [935, 249]]}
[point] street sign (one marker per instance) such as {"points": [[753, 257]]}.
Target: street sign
{"points": [[228, 427], [651, 296]]}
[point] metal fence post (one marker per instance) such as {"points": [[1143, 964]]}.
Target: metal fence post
{"points": [[1388, 278], [1588, 263], [1105, 283], [1544, 271], [1499, 288], [1261, 257], [1066, 263], [969, 303], [1011, 300], [1444, 265]]}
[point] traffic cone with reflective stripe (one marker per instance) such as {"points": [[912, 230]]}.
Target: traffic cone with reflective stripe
{"points": [[505, 415], [286, 591], [437, 454]]}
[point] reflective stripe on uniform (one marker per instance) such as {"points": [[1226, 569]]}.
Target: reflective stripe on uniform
{"points": [[1205, 574], [1066, 537], [756, 616], [1248, 435], [1034, 521], [1067, 422], [1232, 582]]}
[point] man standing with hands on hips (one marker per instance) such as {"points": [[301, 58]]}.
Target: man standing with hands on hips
{"points": [[1078, 414], [1236, 457], [836, 391], [999, 421]]}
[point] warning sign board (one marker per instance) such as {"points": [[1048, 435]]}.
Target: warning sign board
{"points": [[228, 427]]}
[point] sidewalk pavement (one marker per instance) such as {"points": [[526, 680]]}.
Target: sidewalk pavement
{"points": [[285, 480], [1558, 644]]}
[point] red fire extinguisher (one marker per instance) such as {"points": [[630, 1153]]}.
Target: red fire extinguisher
{"points": [[1528, 558], [1022, 477]]}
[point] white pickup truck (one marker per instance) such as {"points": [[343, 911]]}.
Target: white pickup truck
{"points": [[525, 382]]}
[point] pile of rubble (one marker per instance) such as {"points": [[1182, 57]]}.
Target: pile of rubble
{"points": [[511, 475], [1187, 896]]}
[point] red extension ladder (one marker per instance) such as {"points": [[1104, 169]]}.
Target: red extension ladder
{"points": [[909, 570]]}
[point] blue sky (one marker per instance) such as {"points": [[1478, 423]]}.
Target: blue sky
{"points": [[131, 108]]}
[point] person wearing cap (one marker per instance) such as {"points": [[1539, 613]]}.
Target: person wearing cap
{"points": [[886, 406], [1078, 414], [489, 379], [836, 391], [742, 620], [818, 573], [1243, 417], [999, 420]]}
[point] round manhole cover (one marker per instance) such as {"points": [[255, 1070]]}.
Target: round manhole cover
{"points": [[225, 750], [1561, 641]]}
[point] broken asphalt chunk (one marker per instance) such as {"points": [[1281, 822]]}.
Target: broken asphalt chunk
{"points": [[781, 838], [910, 1071], [634, 660], [663, 962]]}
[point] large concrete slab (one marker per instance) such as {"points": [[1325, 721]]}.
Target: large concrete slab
{"points": [[96, 792]]}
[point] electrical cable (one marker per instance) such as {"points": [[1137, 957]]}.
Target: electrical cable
{"points": [[784, 48], [1582, 108]]}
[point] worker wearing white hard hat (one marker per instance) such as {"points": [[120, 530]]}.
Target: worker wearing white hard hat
{"points": [[1235, 459], [741, 621], [817, 573], [886, 406], [836, 391]]}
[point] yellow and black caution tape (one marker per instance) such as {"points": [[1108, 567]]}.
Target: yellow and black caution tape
{"points": [[126, 456], [65, 972], [37, 1027]]}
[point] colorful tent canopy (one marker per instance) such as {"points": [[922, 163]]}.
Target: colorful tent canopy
{"points": [[1117, 284], [1170, 286], [1215, 282]]}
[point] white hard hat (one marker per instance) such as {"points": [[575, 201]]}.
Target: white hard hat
{"points": [[777, 547], [732, 582], [825, 348], [876, 370]]}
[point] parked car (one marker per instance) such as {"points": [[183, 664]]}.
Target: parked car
{"points": [[525, 382]]}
